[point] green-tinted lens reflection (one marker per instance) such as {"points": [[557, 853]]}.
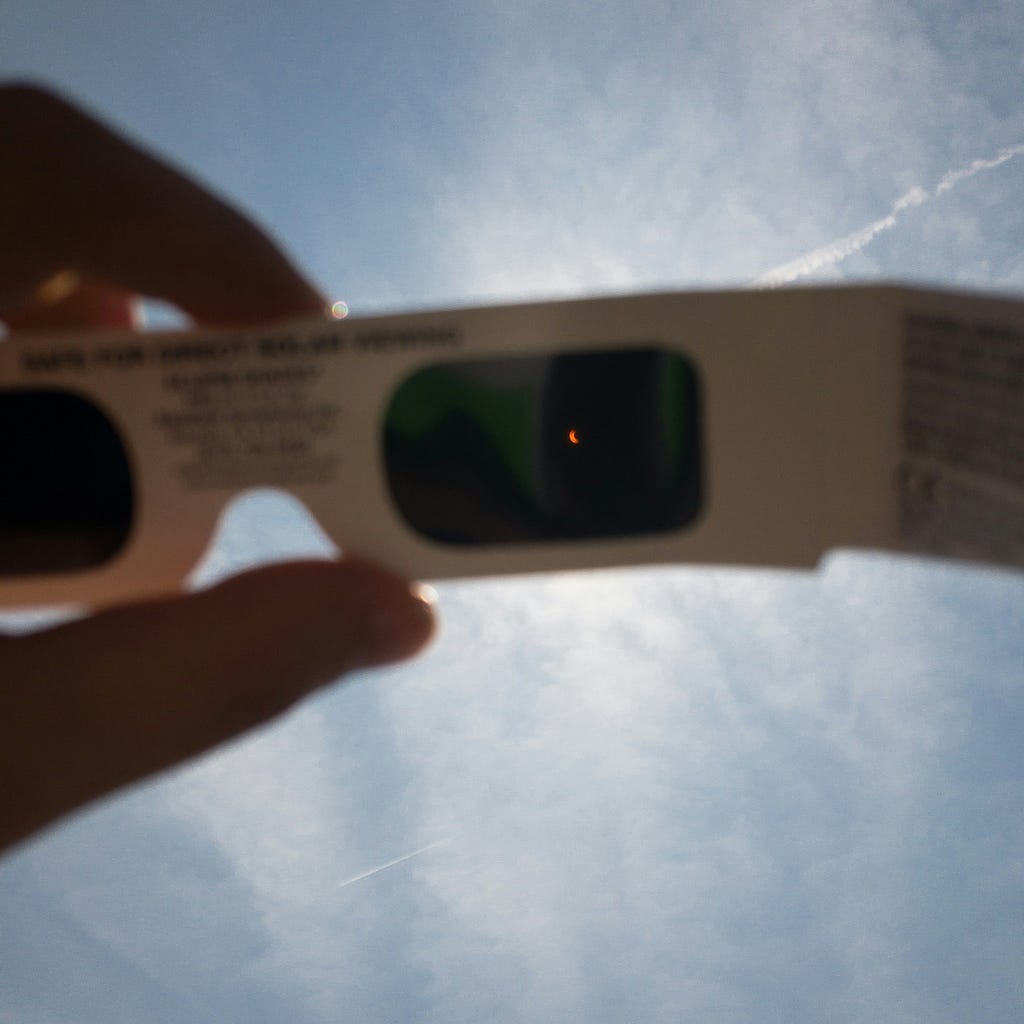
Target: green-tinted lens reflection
{"points": [[593, 444]]}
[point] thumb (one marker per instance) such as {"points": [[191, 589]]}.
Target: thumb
{"points": [[97, 703]]}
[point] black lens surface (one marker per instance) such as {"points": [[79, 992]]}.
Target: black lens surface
{"points": [[66, 498], [581, 445]]}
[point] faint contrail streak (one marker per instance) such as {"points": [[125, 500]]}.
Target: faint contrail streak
{"points": [[398, 860], [835, 252], [953, 178]]}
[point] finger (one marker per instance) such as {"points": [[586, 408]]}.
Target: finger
{"points": [[97, 703], [67, 301], [89, 201]]}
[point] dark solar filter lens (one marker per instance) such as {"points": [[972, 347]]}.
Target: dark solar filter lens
{"points": [[582, 445], [66, 498]]}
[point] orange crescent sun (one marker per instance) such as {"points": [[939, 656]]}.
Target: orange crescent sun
{"points": [[574, 437]]}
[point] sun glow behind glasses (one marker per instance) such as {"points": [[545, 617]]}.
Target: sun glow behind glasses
{"points": [[757, 428]]}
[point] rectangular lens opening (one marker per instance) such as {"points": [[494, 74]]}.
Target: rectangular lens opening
{"points": [[591, 444], [66, 494]]}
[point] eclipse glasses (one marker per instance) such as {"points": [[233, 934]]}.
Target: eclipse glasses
{"points": [[753, 427]]}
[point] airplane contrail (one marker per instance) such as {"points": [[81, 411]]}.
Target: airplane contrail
{"points": [[397, 860], [953, 178], [834, 252]]}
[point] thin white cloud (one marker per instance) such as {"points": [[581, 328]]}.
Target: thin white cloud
{"points": [[692, 794], [835, 252], [953, 178], [677, 766], [394, 862]]}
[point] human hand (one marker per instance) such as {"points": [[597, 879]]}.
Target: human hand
{"points": [[89, 222]]}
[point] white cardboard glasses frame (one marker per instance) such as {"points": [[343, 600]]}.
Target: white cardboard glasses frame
{"points": [[873, 417]]}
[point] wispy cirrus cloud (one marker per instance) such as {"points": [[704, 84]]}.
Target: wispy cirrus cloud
{"points": [[678, 794], [679, 776], [617, 174]]}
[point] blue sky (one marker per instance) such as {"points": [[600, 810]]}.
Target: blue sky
{"points": [[649, 796]]}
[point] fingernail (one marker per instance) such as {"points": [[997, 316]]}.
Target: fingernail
{"points": [[395, 633]]}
